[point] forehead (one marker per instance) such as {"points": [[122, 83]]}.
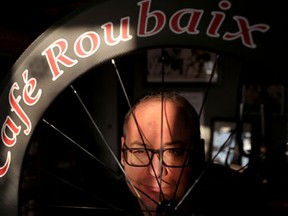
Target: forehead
{"points": [[160, 109], [153, 117]]}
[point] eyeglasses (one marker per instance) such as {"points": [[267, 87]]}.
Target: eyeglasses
{"points": [[141, 157]]}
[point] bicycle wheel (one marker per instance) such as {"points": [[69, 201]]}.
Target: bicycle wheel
{"points": [[81, 176], [73, 47]]}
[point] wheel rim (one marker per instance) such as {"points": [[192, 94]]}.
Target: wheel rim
{"points": [[50, 84]]}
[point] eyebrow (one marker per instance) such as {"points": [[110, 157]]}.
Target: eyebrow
{"points": [[178, 143], [138, 144], [172, 144]]}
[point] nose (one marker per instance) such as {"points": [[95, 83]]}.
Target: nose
{"points": [[157, 168]]}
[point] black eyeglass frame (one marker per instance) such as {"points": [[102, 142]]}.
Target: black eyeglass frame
{"points": [[157, 151]]}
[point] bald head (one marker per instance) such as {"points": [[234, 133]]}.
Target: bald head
{"points": [[183, 112]]}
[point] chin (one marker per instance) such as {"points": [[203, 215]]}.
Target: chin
{"points": [[155, 194], [148, 206]]}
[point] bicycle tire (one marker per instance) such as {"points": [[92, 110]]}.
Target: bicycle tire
{"points": [[36, 72]]}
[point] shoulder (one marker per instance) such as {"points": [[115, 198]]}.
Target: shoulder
{"points": [[224, 191]]}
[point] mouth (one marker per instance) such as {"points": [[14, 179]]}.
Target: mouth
{"points": [[156, 190], [157, 184]]}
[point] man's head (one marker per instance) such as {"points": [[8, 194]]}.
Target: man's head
{"points": [[162, 150]]}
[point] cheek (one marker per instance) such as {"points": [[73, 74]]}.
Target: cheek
{"points": [[185, 177], [134, 173], [184, 184]]}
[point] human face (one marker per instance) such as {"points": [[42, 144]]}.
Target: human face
{"points": [[173, 133]]}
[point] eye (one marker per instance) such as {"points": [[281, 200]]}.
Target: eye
{"points": [[176, 151], [138, 151]]}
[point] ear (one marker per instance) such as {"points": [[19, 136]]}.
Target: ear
{"points": [[122, 141], [122, 145]]}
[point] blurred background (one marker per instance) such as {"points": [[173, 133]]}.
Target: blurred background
{"points": [[249, 97]]}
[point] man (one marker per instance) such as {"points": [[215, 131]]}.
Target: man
{"points": [[162, 151], [164, 161]]}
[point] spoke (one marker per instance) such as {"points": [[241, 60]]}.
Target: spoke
{"points": [[141, 136], [79, 207], [79, 189], [83, 149], [209, 85], [200, 113], [224, 145], [204, 171], [121, 83], [161, 132], [101, 135], [159, 180], [162, 114]]}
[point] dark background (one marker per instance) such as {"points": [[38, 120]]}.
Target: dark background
{"points": [[22, 22]]}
